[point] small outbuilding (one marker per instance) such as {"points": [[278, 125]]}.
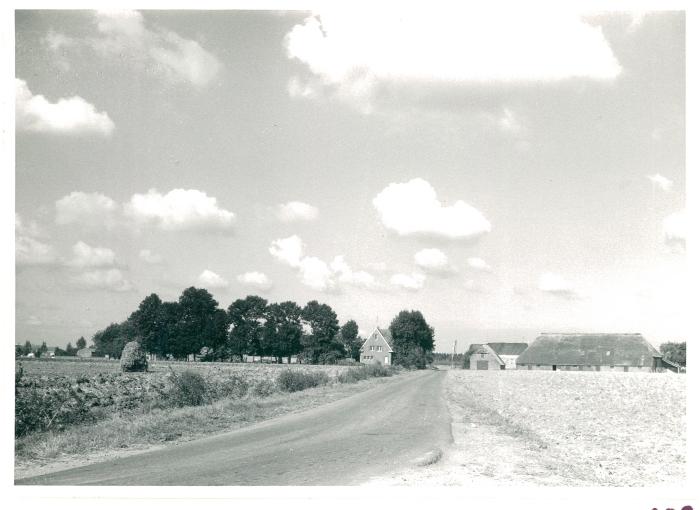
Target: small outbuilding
{"points": [[483, 357], [86, 352], [625, 352], [378, 348]]}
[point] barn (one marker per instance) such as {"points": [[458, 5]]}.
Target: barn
{"points": [[508, 352], [626, 352], [493, 355], [86, 352], [377, 348]]}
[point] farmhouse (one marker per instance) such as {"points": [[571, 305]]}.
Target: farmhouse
{"points": [[494, 356], [377, 348], [600, 352], [86, 352]]}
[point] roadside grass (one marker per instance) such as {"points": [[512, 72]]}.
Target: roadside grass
{"points": [[133, 432]]}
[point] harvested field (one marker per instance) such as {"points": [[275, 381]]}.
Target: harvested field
{"points": [[562, 429]]}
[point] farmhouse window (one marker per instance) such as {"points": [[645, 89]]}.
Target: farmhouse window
{"points": [[379, 347]]}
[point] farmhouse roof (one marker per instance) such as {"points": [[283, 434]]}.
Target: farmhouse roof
{"points": [[386, 333], [484, 349], [589, 349], [508, 348]]}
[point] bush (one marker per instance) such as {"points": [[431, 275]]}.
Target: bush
{"points": [[353, 375], [188, 389], [233, 386], [294, 380], [264, 388], [133, 358]]}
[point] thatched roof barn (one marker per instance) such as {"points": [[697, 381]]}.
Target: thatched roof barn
{"points": [[600, 351]]}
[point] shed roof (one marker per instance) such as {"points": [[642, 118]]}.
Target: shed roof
{"points": [[508, 348], [589, 349]]}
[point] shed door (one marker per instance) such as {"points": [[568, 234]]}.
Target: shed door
{"points": [[482, 364]]}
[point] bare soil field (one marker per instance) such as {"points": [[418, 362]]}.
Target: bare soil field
{"points": [[561, 429]]}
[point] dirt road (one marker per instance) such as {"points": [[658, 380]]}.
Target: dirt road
{"points": [[373, 433]]}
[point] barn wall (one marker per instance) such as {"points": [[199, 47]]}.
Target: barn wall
{"points": [[493, 362], [586, 368], [509, 360]]}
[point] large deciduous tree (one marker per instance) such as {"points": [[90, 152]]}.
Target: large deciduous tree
{"points": [[351, 342], [247, 318], [320, 344], [413, 339], [283, 330], [111, 340]]}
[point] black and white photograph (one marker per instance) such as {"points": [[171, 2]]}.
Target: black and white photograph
{"points": [[380, 246]]}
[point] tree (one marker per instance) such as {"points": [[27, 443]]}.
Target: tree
{"points": [[283, 330], [321, 344], [81, 343], [413, 339], [247, 318], [197, 309], [673, 351], [27, 348], [351, 342], [70, 350], [151, 324], [111, 340], [41, 350]]}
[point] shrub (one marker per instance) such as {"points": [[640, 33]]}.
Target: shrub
{"points": [[353, 375], [133, 358], [294, 380], [264, 388], [188, 388], [233, 386]]}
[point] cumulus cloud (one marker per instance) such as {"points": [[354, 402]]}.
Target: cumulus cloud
{"points": [[555, 284], [29, 251], [85, 255], [73, 115], [255, 279], [127, 36], [478, 263], [211, 280], [178, 209], [433, 260], [412, 208], [481, 46], [413, 281], [149, 257], [675, 229], [88, 208], [105, 279], [315, 272], [661, 182], [296, 211]]}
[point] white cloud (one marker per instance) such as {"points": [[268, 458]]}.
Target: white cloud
{"points": [[412, 208], [413, 281], [73, 115], [557, 285], [179, 209], [211, 280], [28, 250], [675, 230], [255, 279], [86, 208], [106, 279], [661, 182], [296, 211], [434, 46], [150, 257], [129, 39], [432, 260], [289, 250], [85, 255], [478, 264], [33, 320], [316, 273]]}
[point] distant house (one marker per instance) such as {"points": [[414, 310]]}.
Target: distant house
{"points": [[493, 356], [48, 354], [377, 348], [628, 352], [86, 352]]}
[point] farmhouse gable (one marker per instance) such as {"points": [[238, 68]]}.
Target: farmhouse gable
{"points": [[378, 348]]}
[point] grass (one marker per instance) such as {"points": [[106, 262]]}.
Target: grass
{"points": [[255, 396]]}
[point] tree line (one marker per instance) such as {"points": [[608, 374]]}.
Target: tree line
{"points": [[194, 324]]}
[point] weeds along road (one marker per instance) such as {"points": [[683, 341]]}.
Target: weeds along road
{"points": [[373, 433]]}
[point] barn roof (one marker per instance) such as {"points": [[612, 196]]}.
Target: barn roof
{"points": [[589, 349], [484, 349], [508, 348]]}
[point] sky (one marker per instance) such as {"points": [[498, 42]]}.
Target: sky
{"points": [[504, 175]]}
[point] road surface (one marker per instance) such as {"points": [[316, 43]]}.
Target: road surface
{"points": [[347, 442]]}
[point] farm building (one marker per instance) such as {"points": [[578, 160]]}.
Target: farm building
{"points": [[600, 352], [377, 348], [493, 356], [86, 352]]}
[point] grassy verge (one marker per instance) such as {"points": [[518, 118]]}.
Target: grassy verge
{"points": [[129, 433]]}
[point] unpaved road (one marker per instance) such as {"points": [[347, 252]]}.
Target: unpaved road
{"points": [[347, 442]]}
